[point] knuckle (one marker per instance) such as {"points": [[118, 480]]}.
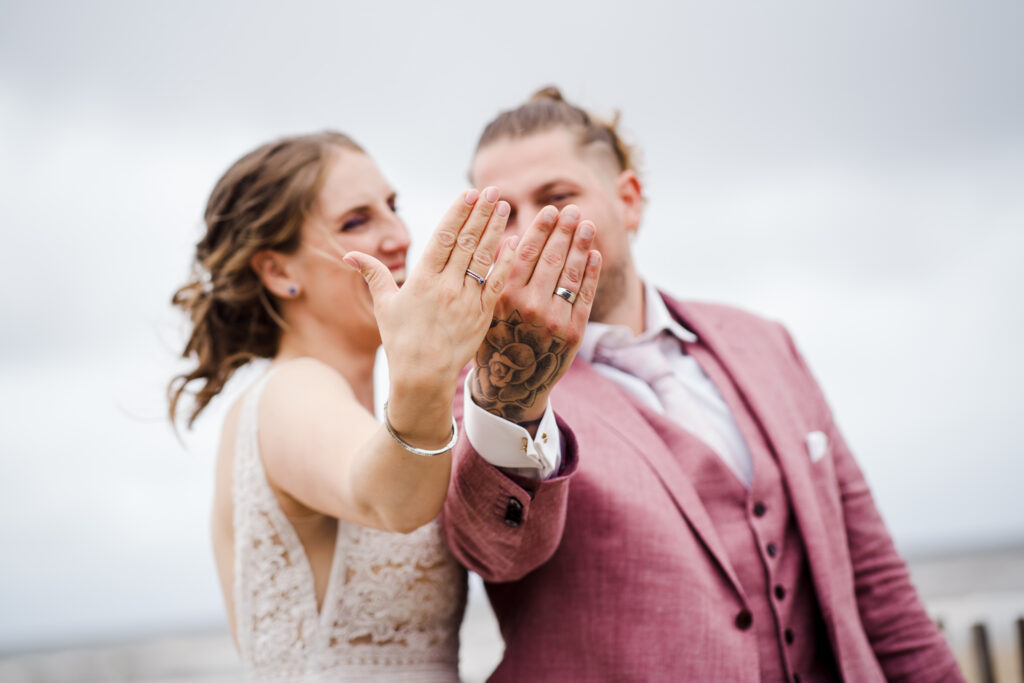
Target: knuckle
{"points": [[528, 311], [468, 242], [478, 219], [553, 258], [496, 284], [527, 252], [448, 293], [446, 237], [483, 257], [572, 274]]}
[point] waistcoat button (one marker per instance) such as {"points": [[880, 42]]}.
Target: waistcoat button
{"points": [[744, 619], [772, 549], [789, 636], [513, 513], [780, 592], [759, 509]]}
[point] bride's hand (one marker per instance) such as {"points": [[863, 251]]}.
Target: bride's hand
{"points": [[432, 326]]}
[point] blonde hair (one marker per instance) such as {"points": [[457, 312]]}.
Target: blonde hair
{"points": [[259, 203], [547, 109]]}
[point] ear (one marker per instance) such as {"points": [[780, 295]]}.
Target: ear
{"points": [[631, 194], [273, 270]]}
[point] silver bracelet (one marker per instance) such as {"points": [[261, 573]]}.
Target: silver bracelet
{"points": [[420, 451]]}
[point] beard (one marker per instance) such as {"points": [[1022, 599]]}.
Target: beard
{"points": [[611, 290]]}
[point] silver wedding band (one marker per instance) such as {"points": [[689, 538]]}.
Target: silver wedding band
{"points": [[566, 294], [479, 278]]}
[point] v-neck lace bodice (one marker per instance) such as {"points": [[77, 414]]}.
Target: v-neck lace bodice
{"points": [[393, 602]]}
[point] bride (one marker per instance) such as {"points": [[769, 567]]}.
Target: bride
{"points": [[324, 532]]}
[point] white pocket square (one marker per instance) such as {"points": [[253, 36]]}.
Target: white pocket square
{"points": [[817, 445]]}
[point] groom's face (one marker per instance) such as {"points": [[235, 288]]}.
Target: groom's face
{"points": [[549, 168]]}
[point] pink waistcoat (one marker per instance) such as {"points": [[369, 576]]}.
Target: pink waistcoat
{"points": [[620, 570], [760, 537], [761, 541]]}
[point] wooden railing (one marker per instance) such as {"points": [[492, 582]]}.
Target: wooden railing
{"points": [[981, 651]]}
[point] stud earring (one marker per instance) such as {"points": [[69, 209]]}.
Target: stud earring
{"points": [[293, 290]]}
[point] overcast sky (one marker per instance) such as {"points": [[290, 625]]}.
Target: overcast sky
{"points": [[853, 169]]}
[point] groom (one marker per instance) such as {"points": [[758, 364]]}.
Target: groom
{"points": [[693, 513]]}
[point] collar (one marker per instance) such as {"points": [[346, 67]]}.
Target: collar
{"points": [[657, 319]]}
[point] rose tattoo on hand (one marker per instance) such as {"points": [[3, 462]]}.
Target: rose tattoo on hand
{"points": [[516, 361]]}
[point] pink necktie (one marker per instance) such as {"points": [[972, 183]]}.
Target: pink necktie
{"points": [[645, 360]]}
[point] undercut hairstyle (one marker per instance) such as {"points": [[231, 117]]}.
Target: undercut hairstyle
{"points": [[547, 109], [259, 203]]}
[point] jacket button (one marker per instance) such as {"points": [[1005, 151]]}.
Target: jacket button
{"points": [[772, 549], [513, 513], [759, 509], [744, 619]]}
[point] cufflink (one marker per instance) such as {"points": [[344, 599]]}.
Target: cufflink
{"points": [[817, 445]]}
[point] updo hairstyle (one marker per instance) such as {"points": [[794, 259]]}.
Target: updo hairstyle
{"points": [[547, 109]]}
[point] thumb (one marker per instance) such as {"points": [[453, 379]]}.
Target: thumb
{"points": [[378, 277]]}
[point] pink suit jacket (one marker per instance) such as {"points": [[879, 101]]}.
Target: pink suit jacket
{"points": [[613, 570]]}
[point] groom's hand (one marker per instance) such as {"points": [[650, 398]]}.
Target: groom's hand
{"points": [[539, 320]]}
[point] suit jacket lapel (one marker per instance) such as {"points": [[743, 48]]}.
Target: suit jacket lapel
{"points": [[583, 380], [768, 394]]}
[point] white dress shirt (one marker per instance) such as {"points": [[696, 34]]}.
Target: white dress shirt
{"points": [[507, 445], [659, 323]]}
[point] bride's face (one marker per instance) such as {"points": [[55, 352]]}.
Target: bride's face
{"points": [[355, 211]]}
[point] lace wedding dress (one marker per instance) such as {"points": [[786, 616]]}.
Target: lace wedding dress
{"points": [[392, 607]]}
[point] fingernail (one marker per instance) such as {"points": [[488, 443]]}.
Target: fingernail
{"points": [[548, 213], [586, 230], [503, 209], [593, 258], [571, 213], [471, 196], [491, 194], [351, 260]]}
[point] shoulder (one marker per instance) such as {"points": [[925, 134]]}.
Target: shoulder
{"points": [[302, 381], [720, 315], [299, 395]]}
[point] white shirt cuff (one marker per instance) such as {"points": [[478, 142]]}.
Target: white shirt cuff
{"points": [[507, 445]]}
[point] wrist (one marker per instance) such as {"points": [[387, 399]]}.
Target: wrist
{"points": [[530, 425], [427, 393], [419, 450], [525, 413], [422, 419]]}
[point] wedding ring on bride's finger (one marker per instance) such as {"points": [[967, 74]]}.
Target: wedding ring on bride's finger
{"points": [[480, 279], [566, 294]]}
